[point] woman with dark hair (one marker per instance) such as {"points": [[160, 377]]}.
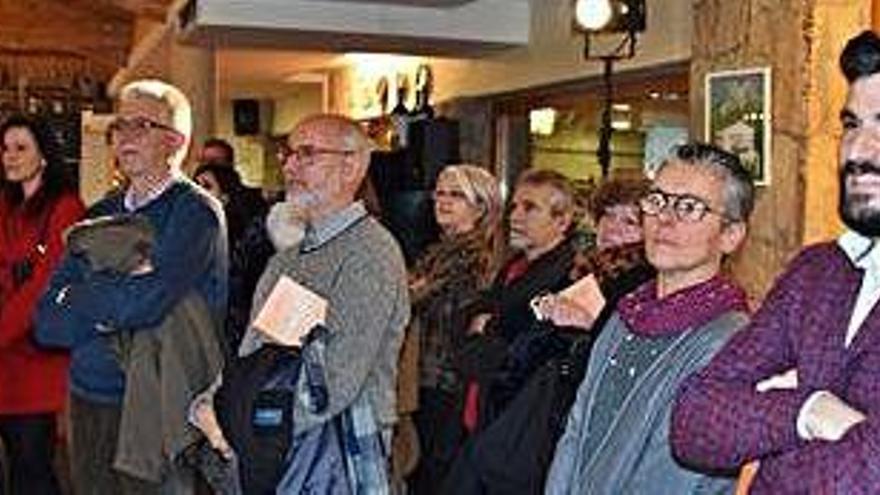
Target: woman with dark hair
{"points": [[37, 203]]}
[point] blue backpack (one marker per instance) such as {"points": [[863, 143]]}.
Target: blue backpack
{"points": [[255, 405]]}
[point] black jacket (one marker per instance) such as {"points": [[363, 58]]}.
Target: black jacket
{"points": [[512, 454], [510, 301], [526, 342]]}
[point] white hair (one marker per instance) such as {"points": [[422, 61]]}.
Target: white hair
{"points": [[174, 100]]}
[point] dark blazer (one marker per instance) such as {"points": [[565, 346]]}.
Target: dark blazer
{"points": [[535, 418]]}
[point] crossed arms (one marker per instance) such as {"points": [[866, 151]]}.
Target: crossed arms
{"points": [[811, 428]]}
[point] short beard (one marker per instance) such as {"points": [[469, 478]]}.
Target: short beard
{"points": [[304, 201], [285, 226], [855, 210]]}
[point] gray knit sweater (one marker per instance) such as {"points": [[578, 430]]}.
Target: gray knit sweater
{"points": [[356, 264]]}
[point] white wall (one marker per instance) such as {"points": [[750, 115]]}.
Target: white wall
{"points": [[281, 107], [291, 109], [96, 159]]}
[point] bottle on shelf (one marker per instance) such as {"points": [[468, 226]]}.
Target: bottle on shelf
{"points": [[400, 117]]}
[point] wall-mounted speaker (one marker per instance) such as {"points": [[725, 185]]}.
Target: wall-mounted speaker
{"points": [[246, 117]]}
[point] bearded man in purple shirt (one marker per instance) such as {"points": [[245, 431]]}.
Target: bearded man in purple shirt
{"points": [[798, 390]]}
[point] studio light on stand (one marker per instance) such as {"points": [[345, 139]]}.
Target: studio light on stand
{"points": [[623, 18], [593, 15]]}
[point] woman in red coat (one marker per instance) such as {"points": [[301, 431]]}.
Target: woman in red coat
{"points": [[37, 203]]}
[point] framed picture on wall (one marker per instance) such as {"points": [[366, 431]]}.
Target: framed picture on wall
{"points": [[738, 117]]}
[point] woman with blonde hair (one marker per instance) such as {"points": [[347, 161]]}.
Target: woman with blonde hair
{"points": [[467, 208], [445, 286]]}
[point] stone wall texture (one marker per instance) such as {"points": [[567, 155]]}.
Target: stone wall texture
{"points": [[799, 40], [833, 23]]}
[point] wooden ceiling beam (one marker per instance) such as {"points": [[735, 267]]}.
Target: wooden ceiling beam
{"points": [[124, 9], [106, 10], [99, 31], [103, 36], [155, 9]]}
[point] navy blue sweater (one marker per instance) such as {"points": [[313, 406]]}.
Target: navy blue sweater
{"points": [[189, 254]]}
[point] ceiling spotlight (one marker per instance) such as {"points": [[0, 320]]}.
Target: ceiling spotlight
{"points": [[593, 15], [617, 17], [610, 15]]}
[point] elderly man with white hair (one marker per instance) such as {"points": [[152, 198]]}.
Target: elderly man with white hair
{"points": [[149, 137]]}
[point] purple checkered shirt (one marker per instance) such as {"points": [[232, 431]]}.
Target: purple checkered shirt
{"points": [[720, 421]]}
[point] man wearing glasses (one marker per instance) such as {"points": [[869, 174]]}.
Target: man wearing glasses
{"points": [[348, 258], [149, 137], [615, 439], [797, 390]]}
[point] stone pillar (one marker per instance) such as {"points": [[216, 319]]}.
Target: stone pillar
{"points": [[832, 24], [799, 40]]}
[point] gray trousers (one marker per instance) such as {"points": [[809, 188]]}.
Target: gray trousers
{"points": [[94, 430]]}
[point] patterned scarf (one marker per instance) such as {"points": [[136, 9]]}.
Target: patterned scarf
{"points": [[609, 263], [452, 264], [692, 307]]}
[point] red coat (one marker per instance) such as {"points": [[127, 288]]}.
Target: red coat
{"points": [[31, 380]]}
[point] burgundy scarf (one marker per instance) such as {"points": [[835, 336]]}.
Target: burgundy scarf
{"points": [[692, 307]]}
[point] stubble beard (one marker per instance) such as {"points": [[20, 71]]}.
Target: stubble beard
{"points": [[859, 211]]}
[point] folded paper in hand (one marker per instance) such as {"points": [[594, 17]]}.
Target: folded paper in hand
{"points": [[585, 293], [290, 312]]}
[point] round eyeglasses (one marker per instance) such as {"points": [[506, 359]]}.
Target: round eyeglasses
{"points": [[307, 154], [137, 125], [685, 207]]}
